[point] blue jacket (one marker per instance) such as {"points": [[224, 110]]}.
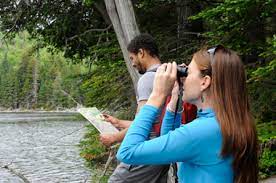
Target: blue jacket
{"points": [[196, 146]]}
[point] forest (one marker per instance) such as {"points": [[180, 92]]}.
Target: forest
{"points": [[55, 55]]}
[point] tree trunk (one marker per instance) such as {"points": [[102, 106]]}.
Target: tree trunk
{"points": [[183, 25], [122, 16], [35, 79], [187, 31], [127, 18], [100, 7]]}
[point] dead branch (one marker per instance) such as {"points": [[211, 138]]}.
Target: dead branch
{"points": [[87, 31], [18, 174], [111, 156]]}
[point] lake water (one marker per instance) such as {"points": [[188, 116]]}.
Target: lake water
{"points": [[42, 147]]}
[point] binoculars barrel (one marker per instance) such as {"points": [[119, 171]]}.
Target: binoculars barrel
{"points": [[182, 71]]}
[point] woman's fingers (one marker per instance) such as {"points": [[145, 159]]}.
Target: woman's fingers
{"points": [[183, 65], [175, 90], [167, 71], [169, 68], [161, 69], [165, 78], [174, 70]]}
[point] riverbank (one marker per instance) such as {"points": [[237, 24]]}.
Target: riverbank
{"points": [[41, 110]]}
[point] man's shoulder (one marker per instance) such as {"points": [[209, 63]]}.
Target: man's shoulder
{"points": [[146, 76], [145, 85]]}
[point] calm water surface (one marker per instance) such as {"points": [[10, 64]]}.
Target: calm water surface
{"points": [[42, 147]]}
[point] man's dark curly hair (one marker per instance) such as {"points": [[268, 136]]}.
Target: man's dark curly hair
{"points": [[143, 41]]}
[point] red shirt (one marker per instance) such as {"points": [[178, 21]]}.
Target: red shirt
{"points": [[188, 115]]}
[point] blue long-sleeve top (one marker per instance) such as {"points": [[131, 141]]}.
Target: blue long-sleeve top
{"points": [[196, 146]]}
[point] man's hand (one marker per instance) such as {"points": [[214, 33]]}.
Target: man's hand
{"points": [[107, 139], [116, 122]]}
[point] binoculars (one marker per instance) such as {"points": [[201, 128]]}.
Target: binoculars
{"points": [[182, 71]]}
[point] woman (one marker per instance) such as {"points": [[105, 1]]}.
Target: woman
{"points": [[220, 145]]}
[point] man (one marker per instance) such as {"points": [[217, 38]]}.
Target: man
{"points": [[144, 55]]}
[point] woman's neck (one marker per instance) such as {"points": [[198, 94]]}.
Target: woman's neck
{"points": [[205, 104]]}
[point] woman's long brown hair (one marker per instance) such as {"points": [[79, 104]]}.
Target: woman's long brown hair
{"points": [[230, 103]]}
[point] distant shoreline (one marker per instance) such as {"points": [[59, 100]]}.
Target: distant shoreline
{"points": [[73, 110]]}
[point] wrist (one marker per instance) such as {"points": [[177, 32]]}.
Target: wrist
{"points": [[156, 100], [125, 123], [173, 102], [114, 138], [172, 110], [171, 107], [174, 98], [117, 121]]}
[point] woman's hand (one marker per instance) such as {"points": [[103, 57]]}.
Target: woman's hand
{"points": [[175, 93], [164, 81], [174, 97], [175, 90]]}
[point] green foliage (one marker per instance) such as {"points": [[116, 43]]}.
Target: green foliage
{"points": [[17, 76], [266, 131], [262, 85], [91, 149], [267, 163], [66, 25], [108, 86], [267, 138], [95, 154], [267, 72], [239, 24]]}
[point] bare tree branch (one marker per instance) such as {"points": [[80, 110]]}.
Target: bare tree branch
{"points": [[111, 156], [10, 30], [87, 31], [21, 176]]}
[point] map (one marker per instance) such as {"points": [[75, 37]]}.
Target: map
{"points": [[94, 116]]}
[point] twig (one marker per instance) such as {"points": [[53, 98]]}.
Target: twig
{"points": [[109, 160], [17, 18], [87, 31], [68, 95], [95, 56], [16, 173], [86, 179]]}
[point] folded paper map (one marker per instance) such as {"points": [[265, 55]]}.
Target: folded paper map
{"points": [[94, 116]]}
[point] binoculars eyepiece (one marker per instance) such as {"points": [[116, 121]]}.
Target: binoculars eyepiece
{"points": [[182, 71]]}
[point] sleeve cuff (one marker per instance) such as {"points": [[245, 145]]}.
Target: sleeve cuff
{"points": [[172, 112], [150, 108]]}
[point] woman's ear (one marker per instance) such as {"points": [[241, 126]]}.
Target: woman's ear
{"points": [[205, 83]]}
